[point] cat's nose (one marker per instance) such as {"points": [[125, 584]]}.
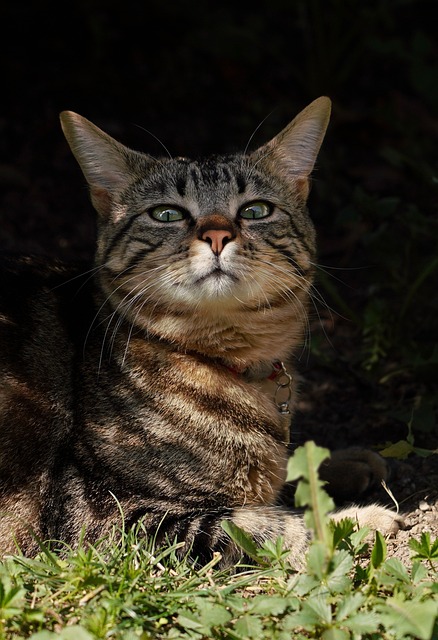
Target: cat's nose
{"points": [[217, 239]]}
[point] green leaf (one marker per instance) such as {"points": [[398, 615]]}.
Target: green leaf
{"points": [[212, 614], [269, 605], [407, 617], [341, 530], [315, 517], [424, 453], [305, 584], [335, 634], [188, 620], [378, 553], [304, 464], [316, 559], [249, 626], [363, 622], [11, 600], [395, 568], [358, 537], [298, 464], [400, 450], [242, 539], [338, 579], [424, 549], [349, 605], [319, 606], [306, 618], [272, 552], [237, 603], [419, 572]]}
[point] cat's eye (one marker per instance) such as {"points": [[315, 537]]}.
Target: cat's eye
{"points": [[167, 214], [255, 210]]}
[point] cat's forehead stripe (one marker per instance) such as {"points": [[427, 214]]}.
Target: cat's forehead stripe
{"points": [[181, 185], [215, 171], [218, 171], [241, 182]]}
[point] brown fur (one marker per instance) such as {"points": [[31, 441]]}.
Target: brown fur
{"points": [[145, 383]]}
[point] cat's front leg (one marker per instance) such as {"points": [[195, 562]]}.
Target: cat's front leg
{"points": [[374, 516], [352, 472], [268, 523]]}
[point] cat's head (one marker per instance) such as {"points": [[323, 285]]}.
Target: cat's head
{"points": [[221, 235]]}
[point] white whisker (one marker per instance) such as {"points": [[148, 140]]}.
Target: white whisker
{"points": [[255, 131]]}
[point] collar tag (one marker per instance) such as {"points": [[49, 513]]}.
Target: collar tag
{"points": [[283, 393]]}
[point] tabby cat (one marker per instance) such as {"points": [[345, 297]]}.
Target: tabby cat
{"points": [[160, 382]]}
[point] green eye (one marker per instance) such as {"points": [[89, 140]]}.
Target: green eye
{"points": [[167, 214], [255, 211]]}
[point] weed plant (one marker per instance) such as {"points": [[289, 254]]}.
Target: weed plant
{"points": [[125, 587]]}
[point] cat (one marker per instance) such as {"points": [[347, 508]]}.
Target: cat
{"points": [[160, 383]]}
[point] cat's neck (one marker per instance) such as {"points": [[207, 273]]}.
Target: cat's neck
{"points": [[249, 340]]}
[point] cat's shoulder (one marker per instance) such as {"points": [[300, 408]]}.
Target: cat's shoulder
{"points": [[35, 272], [32, 266], [24, 278], [37, 294]]}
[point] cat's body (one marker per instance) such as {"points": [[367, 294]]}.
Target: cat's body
{"points": [[149, 384]]}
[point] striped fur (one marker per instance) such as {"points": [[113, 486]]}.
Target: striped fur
{"points": [[119, 385]]}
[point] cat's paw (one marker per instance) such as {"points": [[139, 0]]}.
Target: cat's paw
{"points": [[375, 516], [349, 473]]}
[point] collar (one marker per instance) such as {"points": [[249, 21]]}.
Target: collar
{"points": [[259, 372], [276, 372]]}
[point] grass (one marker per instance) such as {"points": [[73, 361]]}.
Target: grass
{"points": [[124, 588]]}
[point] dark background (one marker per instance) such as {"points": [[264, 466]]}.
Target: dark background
{"points": [[201, 77]]}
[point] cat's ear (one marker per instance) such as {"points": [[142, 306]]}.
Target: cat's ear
{"points": [[108, 166], [293, 152]]}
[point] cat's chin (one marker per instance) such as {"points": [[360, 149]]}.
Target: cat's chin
{"points": [[215, 285]]}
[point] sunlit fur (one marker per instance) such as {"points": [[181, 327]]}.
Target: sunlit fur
{"points": [[141, 387]]}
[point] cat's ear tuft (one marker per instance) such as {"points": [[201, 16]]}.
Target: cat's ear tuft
{"points": [[294, 150], [106, 164]]}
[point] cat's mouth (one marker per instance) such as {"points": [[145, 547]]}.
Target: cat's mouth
{"points": [[217, 275]]}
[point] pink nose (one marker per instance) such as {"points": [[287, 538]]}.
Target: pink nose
{"points": [[217, 239]]}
